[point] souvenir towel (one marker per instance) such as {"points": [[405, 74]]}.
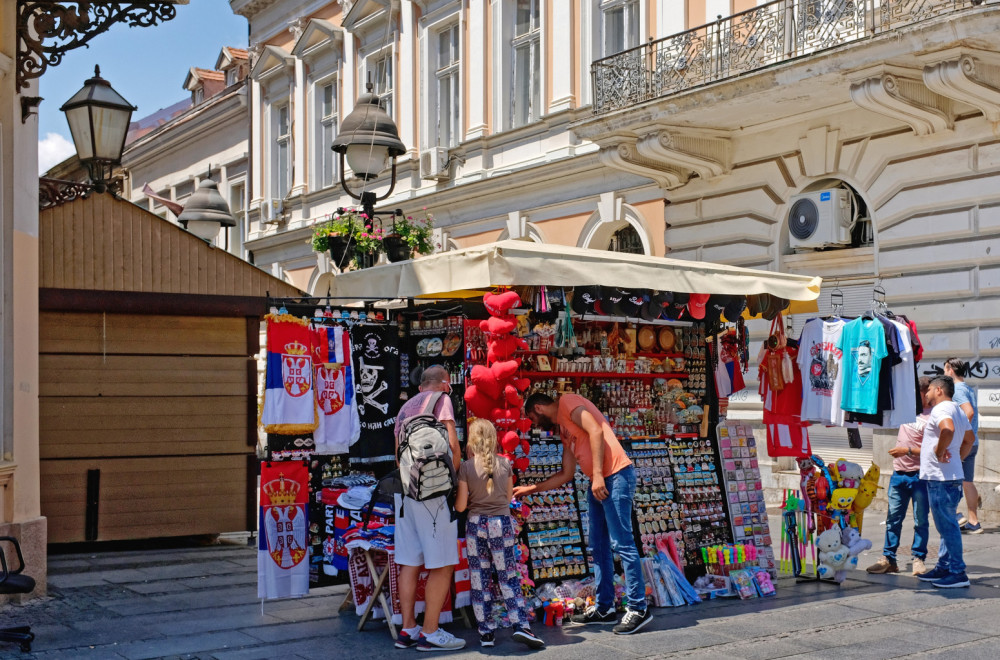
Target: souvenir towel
{"points": [[339, 422], [289, 398], [728, 375], [282, 551]]}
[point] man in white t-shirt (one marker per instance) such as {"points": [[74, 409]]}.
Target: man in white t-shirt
{"points": [[948, 439]]}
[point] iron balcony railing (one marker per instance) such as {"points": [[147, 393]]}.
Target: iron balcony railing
{"points": [[769, 34]]}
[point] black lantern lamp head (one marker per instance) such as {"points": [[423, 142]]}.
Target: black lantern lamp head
{"points": [[206, 211], [368, 139], [98, 118]]}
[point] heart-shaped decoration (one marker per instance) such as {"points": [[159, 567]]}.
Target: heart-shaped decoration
{"points": [[500, 304]]}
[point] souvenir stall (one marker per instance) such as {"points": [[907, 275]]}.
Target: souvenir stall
{"points": [[510, 319]]}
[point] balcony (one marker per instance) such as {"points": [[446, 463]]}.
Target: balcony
{"points": [[770, 34]]}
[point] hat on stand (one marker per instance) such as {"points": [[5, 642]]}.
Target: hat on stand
{"points": [[585, 299], [697, 304], [677, 307]]}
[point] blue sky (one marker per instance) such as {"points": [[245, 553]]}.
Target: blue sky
{"points": [[145, 65]]}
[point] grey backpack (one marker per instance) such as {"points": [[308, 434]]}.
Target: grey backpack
{"points": [[426, 468]]}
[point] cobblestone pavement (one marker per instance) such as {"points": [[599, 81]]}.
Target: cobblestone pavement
{"points": [[201, 603]]}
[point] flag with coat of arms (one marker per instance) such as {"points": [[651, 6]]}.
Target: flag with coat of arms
{"points": [[282, 545], [289, 395]]}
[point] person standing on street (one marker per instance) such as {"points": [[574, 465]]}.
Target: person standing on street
{"points": [[965, 398], [589, 440], [947, 440], [426, 534], [904, 486]]}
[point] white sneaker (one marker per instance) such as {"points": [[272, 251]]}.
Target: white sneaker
{"points": [[440, 640]]}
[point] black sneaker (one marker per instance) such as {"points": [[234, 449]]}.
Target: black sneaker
{"points": [[933, 575], [527, 638], [404, 641], [633, 621], [591, 615], [487, 640]]}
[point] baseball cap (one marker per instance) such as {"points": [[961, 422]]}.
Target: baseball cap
{"points": [[631, 304], [585, 298], [734, 308], [696, 305], [677, 306]]}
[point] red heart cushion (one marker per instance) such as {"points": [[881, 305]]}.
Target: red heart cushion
{"points": [[521, 464], [510, 442], [499, 304], [522, 384], [523, 425], [484, 379], [503, 371], [512, 398], [478, 403], [498, 325], [525, 447], [501, 348]]}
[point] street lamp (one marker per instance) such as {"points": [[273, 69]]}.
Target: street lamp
{"points": [[368, 139], [206, 211], [98, 119]]}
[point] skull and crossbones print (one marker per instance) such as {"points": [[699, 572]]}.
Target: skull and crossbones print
{"points": [[371, 386]]}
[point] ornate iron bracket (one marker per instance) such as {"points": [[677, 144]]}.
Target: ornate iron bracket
{"points": [[47, 29], [54, 192]]}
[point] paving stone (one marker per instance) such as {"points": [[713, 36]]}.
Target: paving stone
{"points": [[186, 644]]}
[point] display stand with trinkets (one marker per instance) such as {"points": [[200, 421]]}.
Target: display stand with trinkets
{"points": [[744, 490], [553, 532]]}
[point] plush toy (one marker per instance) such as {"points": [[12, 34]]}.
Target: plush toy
{"points": [[512, 398], [478, 403], [849, 474], [503, 348], [521, 464], [851, 538], [833, 554]]}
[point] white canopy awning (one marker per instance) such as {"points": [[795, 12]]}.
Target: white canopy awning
{"points": [[524, 263]]}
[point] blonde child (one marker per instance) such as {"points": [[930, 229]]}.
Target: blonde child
{"points": [[485, 486]]}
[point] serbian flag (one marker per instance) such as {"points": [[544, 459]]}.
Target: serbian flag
{"points": [[289, 397], [283, 545], [339, 422]]}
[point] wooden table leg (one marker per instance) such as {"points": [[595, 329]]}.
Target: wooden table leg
{"points": [[378, 579]]}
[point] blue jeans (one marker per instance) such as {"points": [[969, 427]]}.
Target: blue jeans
{"points": [[944, 497], [903, 488], [611, 531]]}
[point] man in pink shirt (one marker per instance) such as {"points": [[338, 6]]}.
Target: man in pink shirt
{"points": [[905, 485]]}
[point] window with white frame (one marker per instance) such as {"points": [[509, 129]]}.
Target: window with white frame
{"points": [[199, 95], [526, 88], [282, 145], [232, 76], [620, 20], [381, 75], [237, 193], [448, 98], [326, 131]]}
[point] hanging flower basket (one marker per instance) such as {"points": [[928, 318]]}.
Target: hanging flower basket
{"points": [[396, 248], [338, 246], [365, 259]]}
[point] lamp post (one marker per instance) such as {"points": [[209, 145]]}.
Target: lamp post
{"points": [[368, 140], [98, 119], [206, 211]]}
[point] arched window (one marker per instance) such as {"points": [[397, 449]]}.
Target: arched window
{"points": [[626, 240]]}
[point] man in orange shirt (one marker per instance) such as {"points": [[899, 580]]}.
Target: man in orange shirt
{"points": [[588, 440]]}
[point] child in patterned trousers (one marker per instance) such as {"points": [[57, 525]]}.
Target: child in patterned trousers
{"points": [[485, 486]]}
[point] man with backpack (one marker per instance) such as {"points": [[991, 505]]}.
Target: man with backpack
{"points": [[426, 531]]}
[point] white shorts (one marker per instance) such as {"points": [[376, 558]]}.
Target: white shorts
{"points": [[425, 533]]}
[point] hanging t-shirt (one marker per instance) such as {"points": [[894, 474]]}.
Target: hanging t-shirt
{"points": [[931, 469], [904, 382], [965, 394], [863, 345], [821, 363]]}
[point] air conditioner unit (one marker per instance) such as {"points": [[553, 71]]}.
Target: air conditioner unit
{"points": [[434, 164], [275, 212], [821, 219]]}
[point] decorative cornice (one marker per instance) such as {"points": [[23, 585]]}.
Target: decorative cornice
{"points": [[900, 94], [626, 157], [706, 155], [47, 29], [970, 80]]}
